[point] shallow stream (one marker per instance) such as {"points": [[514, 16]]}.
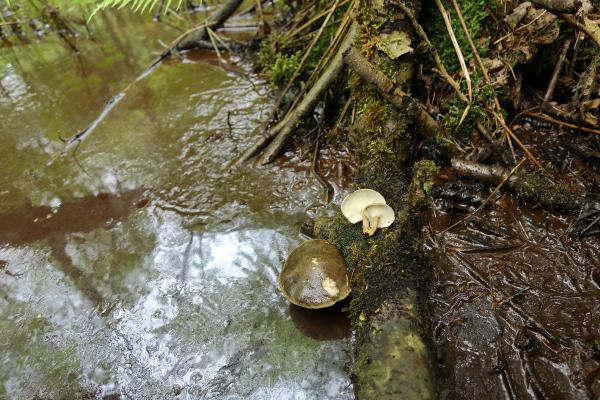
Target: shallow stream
{"points": [[136, 265]]}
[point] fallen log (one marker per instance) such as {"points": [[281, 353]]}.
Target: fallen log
{"points": [[530, 186]]}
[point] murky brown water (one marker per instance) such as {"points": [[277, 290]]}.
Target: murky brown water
{"points": [[516, 305], [138, 267]]}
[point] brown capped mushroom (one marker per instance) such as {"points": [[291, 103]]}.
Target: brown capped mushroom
{"points": [[314, 275]]}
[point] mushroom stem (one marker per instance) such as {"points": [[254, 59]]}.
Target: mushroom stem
{"points": [[369, 225]]}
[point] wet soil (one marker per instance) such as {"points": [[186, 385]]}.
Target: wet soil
{"points": [[516, 295], [137, 265]]}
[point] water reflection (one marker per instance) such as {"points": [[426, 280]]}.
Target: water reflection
{"points": [[144, 270], [331, 323]]}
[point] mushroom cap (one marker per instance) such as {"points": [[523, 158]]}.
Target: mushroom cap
{"points": [[314, 275], [383, 212], [357, 201]]}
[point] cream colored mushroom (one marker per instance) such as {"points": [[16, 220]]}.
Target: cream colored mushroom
{"points": [[354, 204], [377, 216], [370, 207]]}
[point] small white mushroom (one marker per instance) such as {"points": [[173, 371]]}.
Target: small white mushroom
{"points": [[368, 206], [377, 216], [357, 201]]}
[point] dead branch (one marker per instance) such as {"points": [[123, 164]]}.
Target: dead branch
{"points": [[574, 13], [491, 176], [528, 186], [281, 133], [481, 172], [213, 22], [563, 6]]}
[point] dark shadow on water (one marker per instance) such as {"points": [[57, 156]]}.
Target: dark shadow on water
{"points": [[31, 224], [331, 323]]}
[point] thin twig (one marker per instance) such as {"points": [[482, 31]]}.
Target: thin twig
{"points": [[556, 73], [313, 167], [459, 55], [341, 117], [339, 34], [316, 18], [520, 27], [299, 67], [308, 102], [498, 113]]}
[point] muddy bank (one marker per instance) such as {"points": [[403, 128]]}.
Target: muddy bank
{"points": [[515, 307]]}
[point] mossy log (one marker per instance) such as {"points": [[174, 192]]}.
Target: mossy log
{"points": [[389, 277], [392, 360]]}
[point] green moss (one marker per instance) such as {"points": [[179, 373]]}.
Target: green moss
{"points": [[279, 54], [535, 187], [421, 185], [277, 59], [452, 112], [380, 142], [388, 66], [475, 14], [283, 68], [371, 20]]}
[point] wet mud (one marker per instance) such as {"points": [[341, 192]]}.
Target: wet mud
{"points": [[516, 297]]}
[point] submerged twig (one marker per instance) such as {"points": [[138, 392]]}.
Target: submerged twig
{"points": [[459, 55]]}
